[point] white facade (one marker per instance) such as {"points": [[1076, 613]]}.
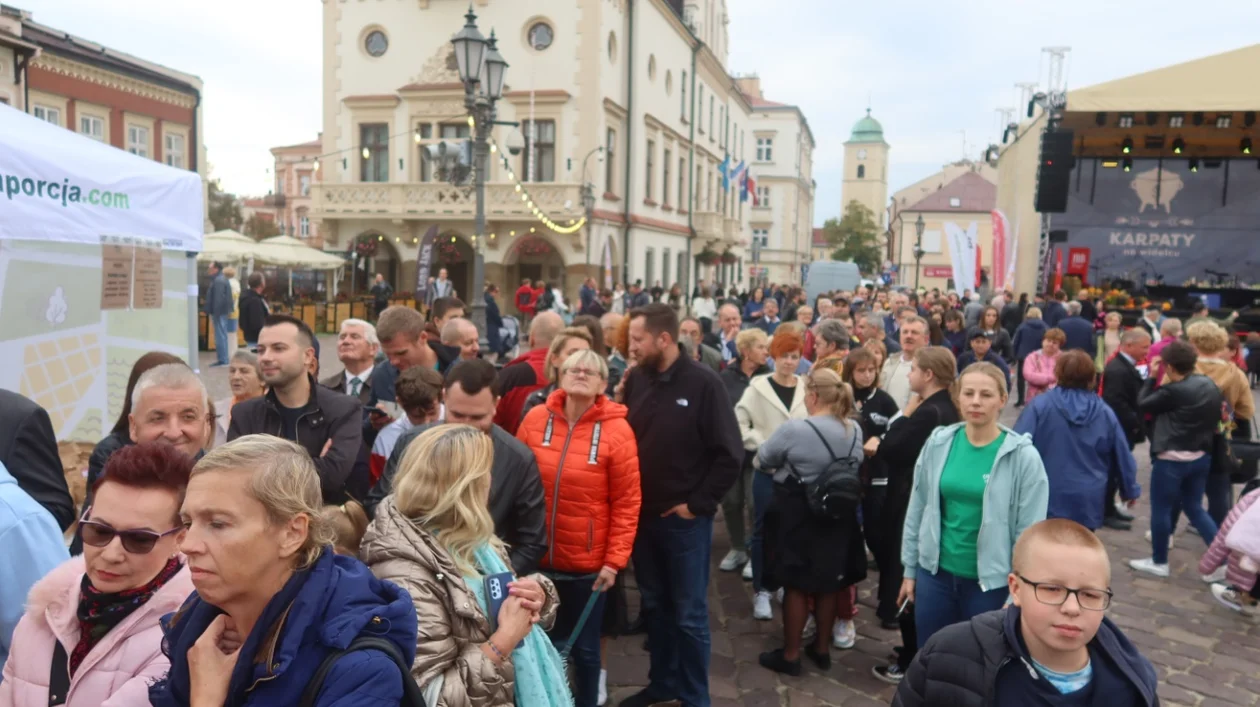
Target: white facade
{"points": [[632, 78]]}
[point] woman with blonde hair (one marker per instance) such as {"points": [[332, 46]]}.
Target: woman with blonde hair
{"points": [[1211, 341], [569, 341], [273, 601], [348, 522], [434, 537], [977, 485], [813, 556], [1107, 341], [589, 461], [769, 401], [230, 273], [245, 380]]}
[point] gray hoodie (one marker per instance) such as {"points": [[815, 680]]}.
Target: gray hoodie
{"points": [[795, 447]]}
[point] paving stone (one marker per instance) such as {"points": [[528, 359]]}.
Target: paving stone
{"points": [[760, 698], [1210, 688]]}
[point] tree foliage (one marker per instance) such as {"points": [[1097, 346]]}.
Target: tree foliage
{"points": [[259, 228], [855, 237], [225, 208]]}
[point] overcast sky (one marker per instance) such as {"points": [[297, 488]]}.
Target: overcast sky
{"points": [[930, 70]]}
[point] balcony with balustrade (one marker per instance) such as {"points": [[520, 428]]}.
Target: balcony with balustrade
{"points": [[442, 201]]}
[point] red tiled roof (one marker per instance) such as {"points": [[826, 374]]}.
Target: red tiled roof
{"points": [[974, 194], [820, 238], [302, 145]]}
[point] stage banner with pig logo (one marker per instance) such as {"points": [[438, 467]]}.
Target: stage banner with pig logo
{"points": [[1163, 223]]}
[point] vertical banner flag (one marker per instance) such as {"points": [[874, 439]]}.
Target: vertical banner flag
{"points": [[1078, 262], [1001, 227], [1058, 269], [424, 263], [979, 268], [963, 252], [725, 170]]}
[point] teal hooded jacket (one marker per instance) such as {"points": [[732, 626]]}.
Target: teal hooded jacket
{"points": [[1015, 497]]}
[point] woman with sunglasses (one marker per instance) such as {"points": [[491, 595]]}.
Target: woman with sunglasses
{"points": [[589, 462], [90, 635]]}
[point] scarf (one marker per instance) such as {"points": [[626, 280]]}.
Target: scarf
{"points": [[540, 674], [99, 612]]}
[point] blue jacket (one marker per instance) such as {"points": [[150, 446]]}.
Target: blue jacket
{"points": [[752, 308], [1053, 313], [765, 325], [1028, 337], [33, 547], [319, 611], [1080, 335], [1082, 445]]}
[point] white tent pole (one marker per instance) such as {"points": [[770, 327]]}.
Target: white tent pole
{"points": [[194, 359]]}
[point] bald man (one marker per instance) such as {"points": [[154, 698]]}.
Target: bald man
{"points": [[729, 323], [524, 375], [462, 334]]}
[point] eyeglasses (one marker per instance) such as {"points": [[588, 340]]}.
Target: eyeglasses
{"points": [[1057, 594], [137, 542], [582, 373]]}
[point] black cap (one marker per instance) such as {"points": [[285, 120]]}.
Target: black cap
{"points": [[1198, 306], [977, 334]]}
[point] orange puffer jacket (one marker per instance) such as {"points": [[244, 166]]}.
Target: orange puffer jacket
{"points": [[590, 475]]}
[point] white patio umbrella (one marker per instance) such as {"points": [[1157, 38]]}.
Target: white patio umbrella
{"points": [[291, 253], [227, 246]]}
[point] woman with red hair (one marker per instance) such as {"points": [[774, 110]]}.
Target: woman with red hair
{"points": [[90, 635]]}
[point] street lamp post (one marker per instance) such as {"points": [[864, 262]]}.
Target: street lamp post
{"points": [[588, 202], [918, 249], [481, 69]]}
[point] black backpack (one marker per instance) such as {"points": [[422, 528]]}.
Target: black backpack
{"points": [[837, 491], [413, 696]]}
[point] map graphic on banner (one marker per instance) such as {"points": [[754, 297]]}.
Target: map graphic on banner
{"points": [[56, 335], [1162, 222]]}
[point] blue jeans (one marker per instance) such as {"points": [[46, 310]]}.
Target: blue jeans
{"points": [[671, 562], [220, 338], [942, 599], [1174, 483], [763, 494], [574, 593]]}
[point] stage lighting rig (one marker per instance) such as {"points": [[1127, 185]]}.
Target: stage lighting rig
{"points": [[1178, 146], [1127, 146], [1245, 146], [1127, 164], [1194, 164]]}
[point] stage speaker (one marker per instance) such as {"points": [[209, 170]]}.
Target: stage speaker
{"points": [[1054, 172], [1058, 236]]}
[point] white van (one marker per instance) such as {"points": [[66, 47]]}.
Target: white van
{"points": [[829, 276]]}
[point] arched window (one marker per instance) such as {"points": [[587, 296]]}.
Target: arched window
{"points": [[861, 171]]}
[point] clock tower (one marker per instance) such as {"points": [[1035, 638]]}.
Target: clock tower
{"points": [[866, 169]]}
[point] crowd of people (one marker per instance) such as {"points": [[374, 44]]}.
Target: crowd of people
{"points": [[445, 525]]}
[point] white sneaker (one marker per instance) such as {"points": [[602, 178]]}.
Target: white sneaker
{"points": [[1217, 576], [602, 699], [733, 561], [810, 630], [843, 634], [778, 595], [1231, 599], [761, 607], [1170, 539], [747, 573], [1148, 565]]}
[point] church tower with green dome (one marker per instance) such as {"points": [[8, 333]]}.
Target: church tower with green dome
{"points": [[866, 169]]}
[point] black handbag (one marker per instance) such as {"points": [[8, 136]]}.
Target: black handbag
{"points": [[1247, 454]]}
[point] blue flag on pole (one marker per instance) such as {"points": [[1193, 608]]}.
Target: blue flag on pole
{"points": [[725, 169]]}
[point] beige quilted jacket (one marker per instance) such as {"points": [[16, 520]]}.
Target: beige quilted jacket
{"points": [[451, 624]]}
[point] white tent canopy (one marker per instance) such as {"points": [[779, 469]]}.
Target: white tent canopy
{"points": [[57, 185], [97, 268]]}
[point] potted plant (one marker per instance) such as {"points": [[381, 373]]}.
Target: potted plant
{"points": [[708, 256], [729, 258]]}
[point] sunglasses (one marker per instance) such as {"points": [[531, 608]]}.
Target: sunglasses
{"points": [[137, 542]]}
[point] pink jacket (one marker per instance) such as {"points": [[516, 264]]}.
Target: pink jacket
{"points": [[118, 669], [1219, 552], [1038, 374]]}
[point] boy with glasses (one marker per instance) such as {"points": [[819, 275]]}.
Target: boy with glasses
{"points": [[1051, 646]]}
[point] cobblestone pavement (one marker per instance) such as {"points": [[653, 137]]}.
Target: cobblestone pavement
{"points": [[1205, 654]]}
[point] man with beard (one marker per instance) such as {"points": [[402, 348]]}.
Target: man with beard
{"points": [[690, 452], [516, 493], [326, 423]]}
